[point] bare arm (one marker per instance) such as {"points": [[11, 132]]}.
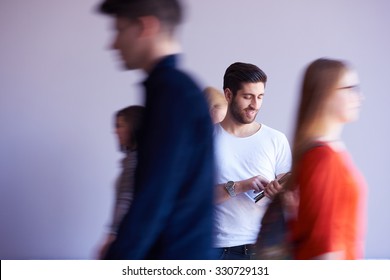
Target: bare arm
{"points": [[256, 183]]}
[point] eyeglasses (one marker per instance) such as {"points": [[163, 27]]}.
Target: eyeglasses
{"points": [[355, 88]]}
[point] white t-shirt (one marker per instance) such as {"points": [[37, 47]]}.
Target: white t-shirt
{"points": [[266, 153]]}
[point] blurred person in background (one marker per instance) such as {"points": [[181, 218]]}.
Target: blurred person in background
{"points": [[170, 216], [128, 123], [217, 104], [330, 216]]}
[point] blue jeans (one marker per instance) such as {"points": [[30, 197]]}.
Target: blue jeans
{"points": [[242, 252]]}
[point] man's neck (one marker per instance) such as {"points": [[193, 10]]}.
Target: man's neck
{"points": [[160, 50], [238, 129]]}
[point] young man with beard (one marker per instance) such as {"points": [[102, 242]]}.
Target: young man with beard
{"points": [[249, 157]]}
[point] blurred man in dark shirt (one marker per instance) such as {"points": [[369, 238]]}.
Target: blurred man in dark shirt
{"points": [[171, 215]]}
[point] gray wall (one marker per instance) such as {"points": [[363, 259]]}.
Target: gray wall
{"points": [[59, 87]]}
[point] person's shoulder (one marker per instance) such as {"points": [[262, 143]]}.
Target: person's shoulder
{"points": [[176, 81], [168, 75], [272, 131], [175, 76], [320, 153]]}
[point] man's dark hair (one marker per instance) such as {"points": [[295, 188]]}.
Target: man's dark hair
{"points": [[168, 12], [239, 73]]}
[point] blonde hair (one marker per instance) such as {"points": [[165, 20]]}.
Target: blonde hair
{"points": [[217, 104], [214, 97]]}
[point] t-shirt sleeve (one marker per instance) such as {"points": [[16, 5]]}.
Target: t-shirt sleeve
{"points": [[283, 156]]}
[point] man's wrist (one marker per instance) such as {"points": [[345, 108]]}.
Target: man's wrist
{"points": [[230, 187]]}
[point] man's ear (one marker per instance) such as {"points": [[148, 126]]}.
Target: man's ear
{"points": [[228, 95], [150, 25]]}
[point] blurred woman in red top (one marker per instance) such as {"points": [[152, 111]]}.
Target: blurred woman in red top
{"points": [[329, 222]]}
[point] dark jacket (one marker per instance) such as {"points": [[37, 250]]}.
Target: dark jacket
{"points": [[171, 215]]}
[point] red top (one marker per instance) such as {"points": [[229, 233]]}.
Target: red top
{"points": [[330, 209]]}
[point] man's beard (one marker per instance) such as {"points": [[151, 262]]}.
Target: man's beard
{"points": [[239, 114]]}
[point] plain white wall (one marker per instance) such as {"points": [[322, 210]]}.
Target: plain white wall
{"points": [[59, 87]]}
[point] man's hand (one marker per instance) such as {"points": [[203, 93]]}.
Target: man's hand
{"points": [[276, 186], [272, 188], [256, 183]]}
